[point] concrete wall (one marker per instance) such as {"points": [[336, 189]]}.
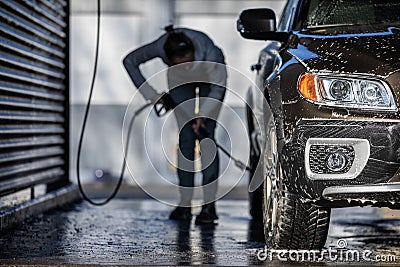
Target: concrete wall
{"points": [[127, 24]]}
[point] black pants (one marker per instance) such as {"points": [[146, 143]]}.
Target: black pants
{"points": [[185, 96]]}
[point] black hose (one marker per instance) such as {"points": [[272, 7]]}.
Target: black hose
{"points": [[86, 114]]}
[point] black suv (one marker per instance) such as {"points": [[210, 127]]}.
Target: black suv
{"points": [[324, 114]]}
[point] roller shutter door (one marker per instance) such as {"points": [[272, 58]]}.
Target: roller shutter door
{"points": [[33, 94]]}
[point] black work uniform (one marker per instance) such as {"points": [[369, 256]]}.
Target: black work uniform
{"points": [[208, 74]]}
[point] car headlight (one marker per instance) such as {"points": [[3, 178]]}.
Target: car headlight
{"points": [[348, 92]]}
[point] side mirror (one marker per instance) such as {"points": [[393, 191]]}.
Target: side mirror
{"points": [[259, 24]]}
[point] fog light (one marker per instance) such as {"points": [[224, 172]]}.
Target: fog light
{"points": [[336, 161]]}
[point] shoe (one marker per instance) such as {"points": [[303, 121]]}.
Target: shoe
{"points": [[207, 215], [181, 214]]}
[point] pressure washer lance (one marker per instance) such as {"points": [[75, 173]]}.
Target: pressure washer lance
{"points": [[166, 103], [161, 108]]}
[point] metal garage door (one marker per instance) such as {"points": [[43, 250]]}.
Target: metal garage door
{"points": [[33, 94]]}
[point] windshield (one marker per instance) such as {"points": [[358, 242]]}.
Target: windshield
{"points": [[350, 12]]}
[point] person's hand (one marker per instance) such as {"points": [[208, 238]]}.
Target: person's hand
{"points": [[197, 125], [163, 104], [168, 102]]}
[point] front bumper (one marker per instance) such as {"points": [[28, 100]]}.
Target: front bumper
{"points": [[382, 194], [383, 161]]}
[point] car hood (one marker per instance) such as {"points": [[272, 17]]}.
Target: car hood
{"points": [[373, 51]]}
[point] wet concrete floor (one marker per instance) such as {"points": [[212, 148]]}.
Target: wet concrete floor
{"points": [[138, 232]]}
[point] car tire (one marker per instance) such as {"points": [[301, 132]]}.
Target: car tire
{"points": [[255, 197], [289, 223]]}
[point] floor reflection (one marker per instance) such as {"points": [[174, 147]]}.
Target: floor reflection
{"points": [[198, 244], [195, 244], [376, 229], [255, 232], [184, 250], [207, 245], [255, 240]]}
